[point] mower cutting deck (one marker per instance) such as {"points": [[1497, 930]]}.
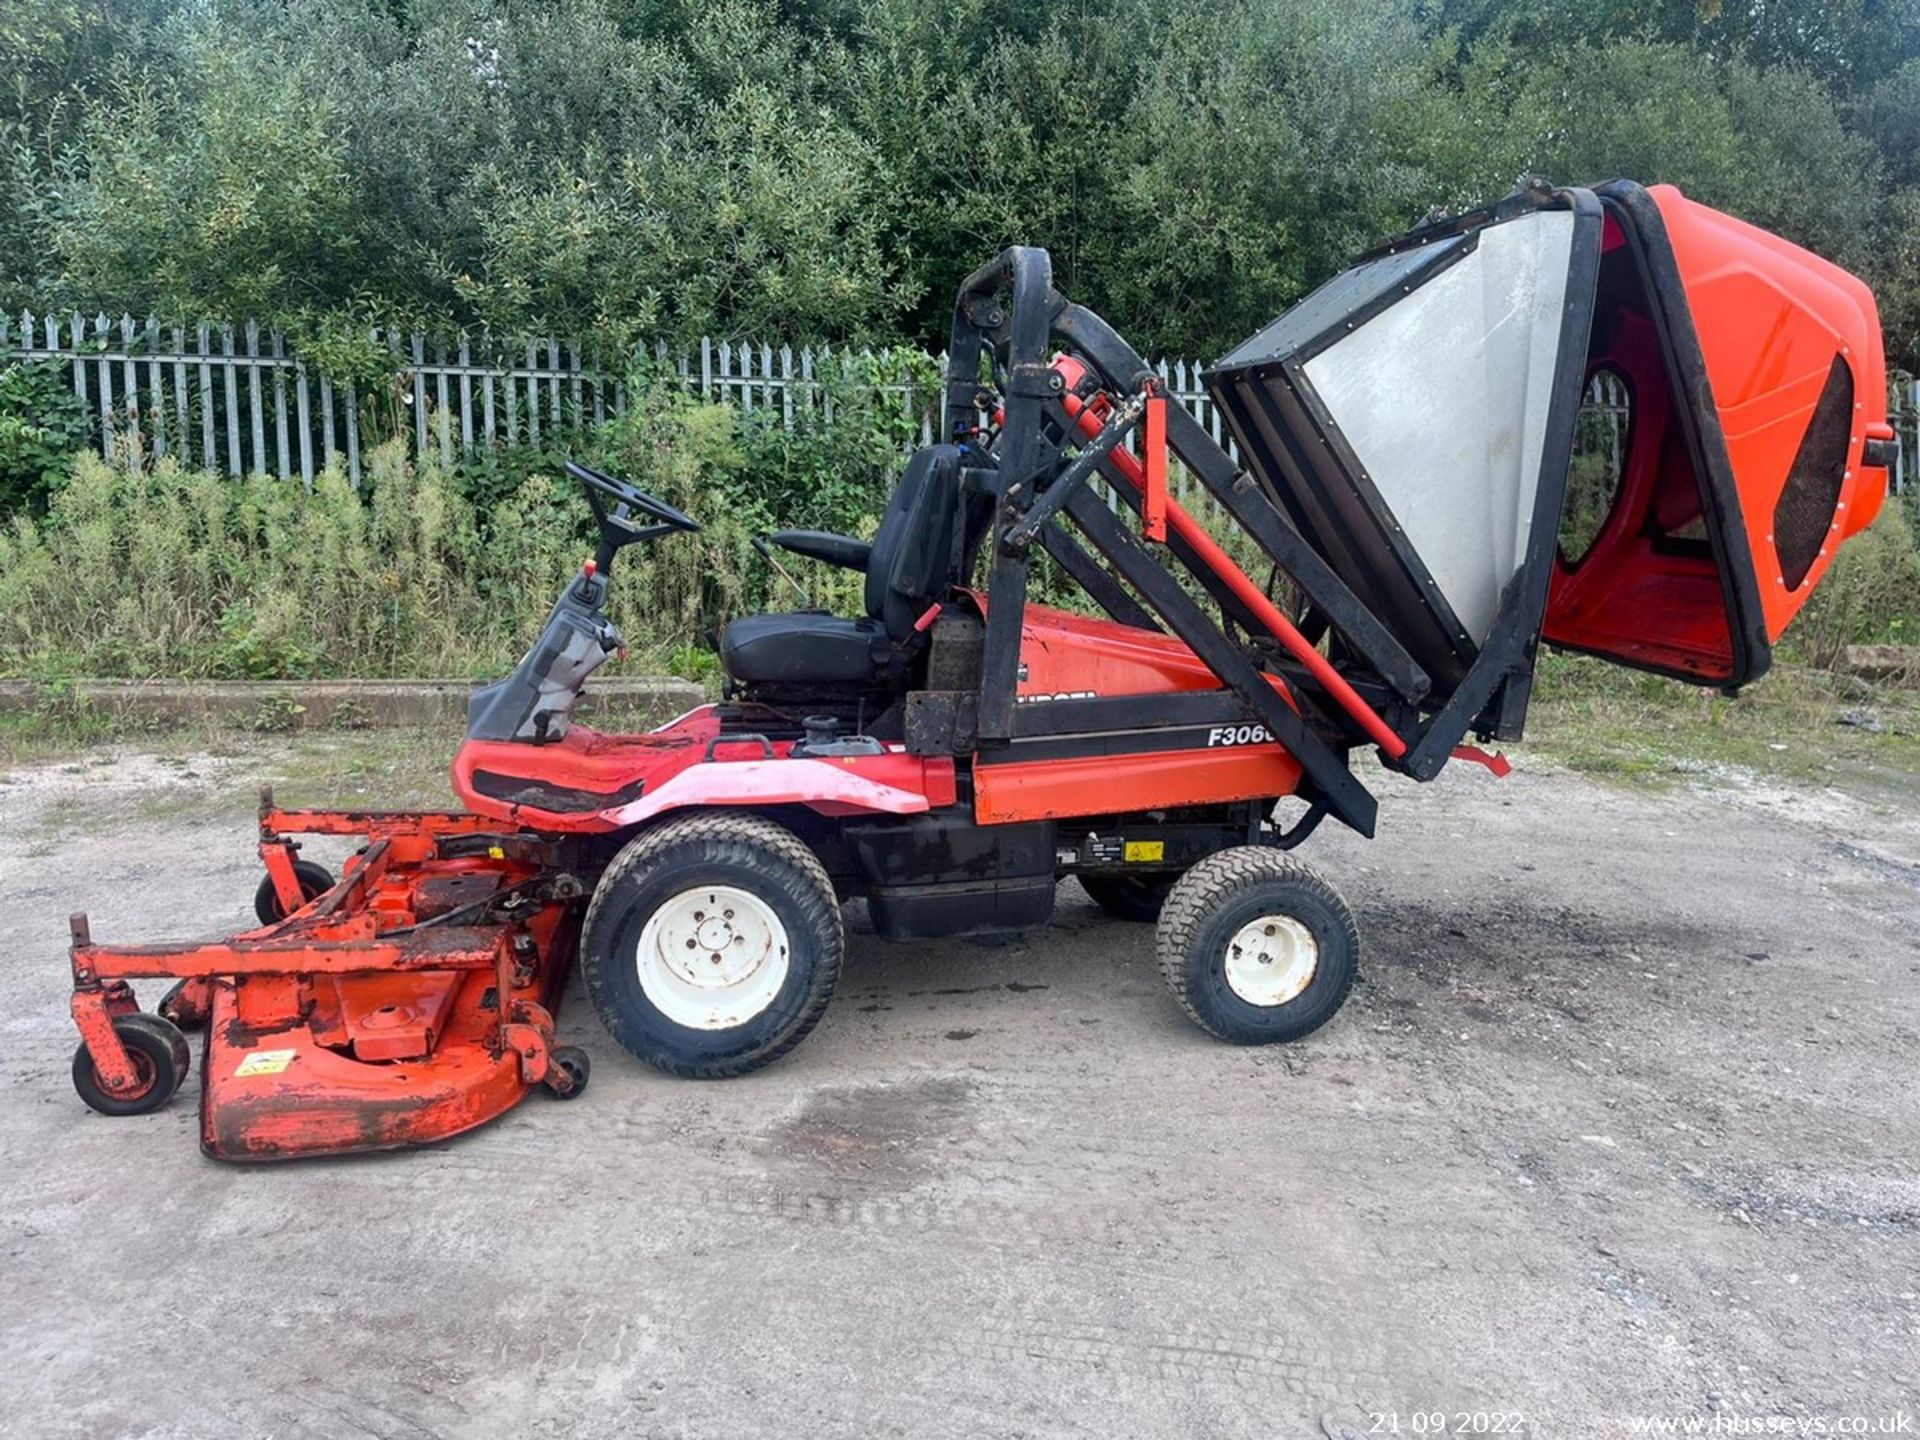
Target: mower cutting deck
{"points": [[1400, 452], [408, 1002]]}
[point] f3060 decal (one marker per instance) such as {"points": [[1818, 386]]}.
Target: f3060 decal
{"points": [[1239, 735]]}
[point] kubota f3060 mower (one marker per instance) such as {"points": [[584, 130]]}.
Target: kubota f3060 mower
{"points": [[1398, 453]]}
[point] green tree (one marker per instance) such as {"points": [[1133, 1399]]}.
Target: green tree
{"points": [[226, 191], [828, 169]]}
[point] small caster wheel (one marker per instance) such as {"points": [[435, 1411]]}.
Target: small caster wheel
{"points": [[314, 880], [185, 1005], [160, 1059], [571, 1061]]}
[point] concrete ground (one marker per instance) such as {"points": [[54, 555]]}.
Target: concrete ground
{"points": [[1622, 1122]]}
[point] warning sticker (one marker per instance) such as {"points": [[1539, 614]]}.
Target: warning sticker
{"points": [[264, 1062], [1139, 851]]}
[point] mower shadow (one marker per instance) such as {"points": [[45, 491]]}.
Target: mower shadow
{"points": [[1082, 961]]}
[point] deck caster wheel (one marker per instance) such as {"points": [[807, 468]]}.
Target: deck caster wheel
{"points": [[1130, 897], [1256, 947], [712, 945], [185, 1005], [314, 880], [160, 1060], [573, 1061]]}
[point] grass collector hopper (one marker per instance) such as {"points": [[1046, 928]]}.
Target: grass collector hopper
{"points": [[1414, 418], [1404, 440]]}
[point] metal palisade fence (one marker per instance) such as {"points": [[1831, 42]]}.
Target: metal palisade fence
{"points": [[235, 398]]}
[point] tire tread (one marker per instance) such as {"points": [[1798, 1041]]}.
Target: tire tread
{"points": [[1211, 883], [736, 837]]}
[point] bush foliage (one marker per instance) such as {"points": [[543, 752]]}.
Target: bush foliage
{"points": [[822, 170], [147, 570], [41, 425], [144, 571]]}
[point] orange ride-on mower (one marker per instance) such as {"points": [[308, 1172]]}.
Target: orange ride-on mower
{"points": [[1396, 449]]}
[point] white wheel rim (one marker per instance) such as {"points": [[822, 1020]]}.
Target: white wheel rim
{"points": [[713, 958], [1272, 960]]}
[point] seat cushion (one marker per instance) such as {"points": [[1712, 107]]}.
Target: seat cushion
{"points": [[803, 649]]}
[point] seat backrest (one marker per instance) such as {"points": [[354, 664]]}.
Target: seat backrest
{"points": [[913, 550]]}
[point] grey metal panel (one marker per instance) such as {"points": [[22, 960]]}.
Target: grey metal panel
{"points": [[1352, 289], [1443, 397]]}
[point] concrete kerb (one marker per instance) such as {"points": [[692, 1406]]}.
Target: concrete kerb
{"points": [[638, 702]]}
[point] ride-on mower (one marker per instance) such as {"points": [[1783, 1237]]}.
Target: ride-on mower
{"points": [[1397, 451]]}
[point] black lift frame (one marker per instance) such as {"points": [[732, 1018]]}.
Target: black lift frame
{"points": [[1034, 461]]}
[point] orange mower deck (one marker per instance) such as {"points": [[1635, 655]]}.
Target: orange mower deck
{"points": [[409, 1002]]}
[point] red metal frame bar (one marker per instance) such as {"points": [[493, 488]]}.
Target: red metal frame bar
{"points": [[277, 856], [1153, 447], [1251, 595], [353, 885], [443, 947], [375, 824], [412, 827]]}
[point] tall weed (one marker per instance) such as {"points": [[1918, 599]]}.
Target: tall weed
{"points": [[166, 571], [1870, 596]]}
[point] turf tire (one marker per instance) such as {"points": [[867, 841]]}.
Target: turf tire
{"points": [[1138, 898], [1208, 907], [739, 850]]}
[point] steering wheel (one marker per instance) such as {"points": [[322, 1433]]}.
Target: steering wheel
{"points": [[617, 524]]}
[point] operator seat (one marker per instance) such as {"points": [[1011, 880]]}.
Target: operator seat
{"points": [[907, 572]]}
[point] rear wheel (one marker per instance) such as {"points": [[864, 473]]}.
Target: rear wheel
{"points": [[1130, 897], [712, 945], [1257, 947], [160, 1060]]}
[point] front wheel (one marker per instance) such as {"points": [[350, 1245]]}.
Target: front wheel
{"points": [[1256, 947], [712, 945]]}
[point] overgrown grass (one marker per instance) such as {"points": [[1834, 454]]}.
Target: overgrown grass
{"points": [[157, 571], [1799, 723], [144, 570], [138, 573]]}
